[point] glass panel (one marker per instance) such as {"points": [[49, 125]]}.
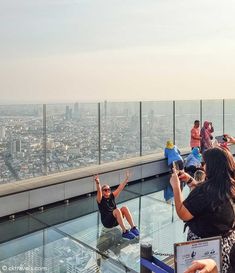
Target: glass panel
{"points": [[229, 119], [47, 251], [212, 110], [89, 230], [72, 136], [186, 112], [157, 221], [120, 130], [159, 226], [157, 125], [21, 138]]}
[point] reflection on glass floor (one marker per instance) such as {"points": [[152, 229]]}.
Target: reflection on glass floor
{"points": [[84, 245]]}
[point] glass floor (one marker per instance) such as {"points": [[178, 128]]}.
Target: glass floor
{"points": [[70, 237]]}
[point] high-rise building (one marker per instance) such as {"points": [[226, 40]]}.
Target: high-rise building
{"points": [[76, 111], [68, 113], [2, 132], [18, 145], [14, 146]]}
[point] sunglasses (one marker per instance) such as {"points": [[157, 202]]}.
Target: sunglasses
{"points": [[106, 189]]}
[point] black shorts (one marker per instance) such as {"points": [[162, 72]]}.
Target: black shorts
{"points": [[109, 220]]}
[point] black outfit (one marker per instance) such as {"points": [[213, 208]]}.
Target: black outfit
{"points": [[106, 208], [191, 170], [209, 220]]}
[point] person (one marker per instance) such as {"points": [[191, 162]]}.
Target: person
{"points": [[209, 265], [206, 136], [199, 177], [204, 265], [193, 161], [195, 140], [172, 154], [208, 210], [112, 216]]}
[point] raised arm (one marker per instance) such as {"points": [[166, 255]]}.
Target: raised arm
{"points": [[212, 128], [122, 185], [98, 188], [181, 210]]}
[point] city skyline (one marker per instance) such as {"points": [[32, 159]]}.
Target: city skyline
{"points": [[37, 140]]}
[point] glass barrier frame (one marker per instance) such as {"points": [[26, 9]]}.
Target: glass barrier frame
{"points": [[146, 122]]}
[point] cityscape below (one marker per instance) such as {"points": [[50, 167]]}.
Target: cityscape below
{"points": [[37, 140]]}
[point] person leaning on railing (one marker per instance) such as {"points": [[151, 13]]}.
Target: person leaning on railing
{"points": [[208, 209]]}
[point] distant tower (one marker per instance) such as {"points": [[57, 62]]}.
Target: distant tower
{"points": [[12, 147], [105, 110], [18, 145], [76, 111], [68, 113], [150, 120], [2, 132]]}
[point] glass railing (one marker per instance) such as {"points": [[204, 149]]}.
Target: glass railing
{"points": [[52, 251], [56, 241], [37, 140]]}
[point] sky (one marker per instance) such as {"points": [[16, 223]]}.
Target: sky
{"points": [[116, 50]]}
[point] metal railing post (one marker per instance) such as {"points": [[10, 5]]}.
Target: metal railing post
{"points": [[223, 116], [146, 252], [99, 134], [201, 112], [173, 121], [44, 120], [141, 130]]}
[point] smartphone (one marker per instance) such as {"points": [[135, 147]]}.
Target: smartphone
{"points": [[221, 139], [175, 165]]}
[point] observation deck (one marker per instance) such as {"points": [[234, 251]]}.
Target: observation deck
{"points": [[48, 156]]}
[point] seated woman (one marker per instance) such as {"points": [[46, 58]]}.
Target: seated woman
{"points": [[193, 161], [208, 210], [112, 216]]}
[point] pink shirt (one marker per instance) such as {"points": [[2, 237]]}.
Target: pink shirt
{"points": [[195, 137]]}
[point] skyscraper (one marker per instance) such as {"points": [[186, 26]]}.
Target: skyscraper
{"points": [[76, 111], [2, 132], [68, 113]]}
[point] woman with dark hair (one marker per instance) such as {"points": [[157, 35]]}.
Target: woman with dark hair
{"points": [[208, 210]]}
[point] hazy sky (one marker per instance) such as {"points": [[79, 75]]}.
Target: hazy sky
{"points": [[84, 50]]}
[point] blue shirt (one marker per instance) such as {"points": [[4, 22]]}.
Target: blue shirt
{"points": [[191, 160]]}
